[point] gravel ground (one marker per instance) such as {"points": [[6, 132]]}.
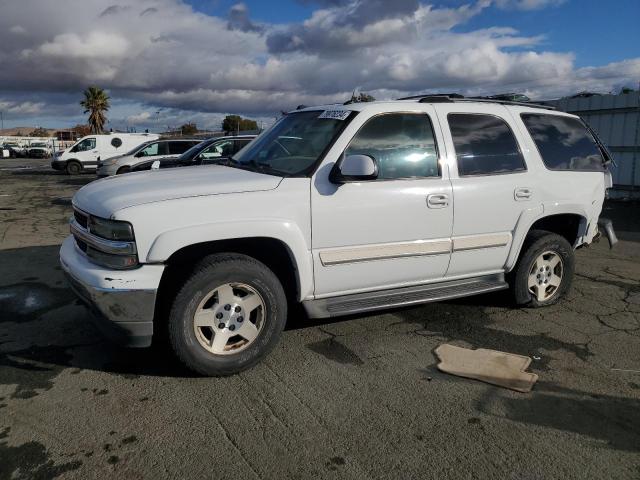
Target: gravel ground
{"points": [[356, 398]]}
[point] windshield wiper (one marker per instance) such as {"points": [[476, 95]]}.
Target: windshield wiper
{"points": [[259, 167]]}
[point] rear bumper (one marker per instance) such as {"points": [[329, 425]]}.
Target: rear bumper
{"points": [[123, 302], [605, 225], [106, 170]]}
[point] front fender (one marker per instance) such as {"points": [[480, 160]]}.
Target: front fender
{"points": [[169, 242]]}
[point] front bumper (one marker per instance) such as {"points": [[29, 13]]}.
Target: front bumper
{"points": [[57, 164], [123, 301]]}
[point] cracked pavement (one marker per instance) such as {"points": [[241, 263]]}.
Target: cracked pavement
{"points": [[359, 397]]}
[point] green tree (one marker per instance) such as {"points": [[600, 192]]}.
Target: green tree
{"points": [[189, 129], [96, 104], [235, 123], [39, 132], [81, 130]]}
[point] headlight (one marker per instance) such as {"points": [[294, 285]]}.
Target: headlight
{"points": [[111, 229], [109, 161]]}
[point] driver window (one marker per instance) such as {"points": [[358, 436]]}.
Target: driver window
{"points": [[86, 144], [218, 149], [403, 144], [150, 151]]}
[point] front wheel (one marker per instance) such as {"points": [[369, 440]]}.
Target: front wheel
{"points": [[544, 272], [73, 167], [227, 316]]}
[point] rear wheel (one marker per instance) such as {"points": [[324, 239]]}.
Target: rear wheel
{"points": [[73, 167], [227, 316], [544, 272]]}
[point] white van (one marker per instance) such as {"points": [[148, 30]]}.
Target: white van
{"points": [[86, 152]]}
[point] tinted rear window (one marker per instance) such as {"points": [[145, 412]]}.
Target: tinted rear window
{"points": [[484, 144], [564, 143], [178, 148]]}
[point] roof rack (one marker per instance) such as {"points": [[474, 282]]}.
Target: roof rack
{"points": [[455, 97]]}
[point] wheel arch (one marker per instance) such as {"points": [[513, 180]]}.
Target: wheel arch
{"points": [[272, 252], [570, 225]]}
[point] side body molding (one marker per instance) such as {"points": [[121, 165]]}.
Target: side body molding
{"points": [[169, 242]]}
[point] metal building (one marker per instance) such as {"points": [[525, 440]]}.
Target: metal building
{"points": [[616, 119]]}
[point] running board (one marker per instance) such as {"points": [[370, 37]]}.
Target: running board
{"points": [[399, 297]]}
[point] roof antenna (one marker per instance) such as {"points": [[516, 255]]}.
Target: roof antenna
{"points": [[354, 96]]}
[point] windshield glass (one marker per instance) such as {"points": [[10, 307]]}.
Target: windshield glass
{"points": [[294, 144], [137, 148]]}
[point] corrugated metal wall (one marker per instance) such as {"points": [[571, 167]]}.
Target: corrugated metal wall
{"points": [[616, 119]]}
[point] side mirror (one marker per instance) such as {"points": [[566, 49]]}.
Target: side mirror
{"points": [[354, 168], [155, 165]]}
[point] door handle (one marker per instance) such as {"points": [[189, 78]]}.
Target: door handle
{"points": [[523, 193], [437, 200]]}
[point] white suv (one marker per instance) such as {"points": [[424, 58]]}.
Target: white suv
{"points": [[345, 209]]}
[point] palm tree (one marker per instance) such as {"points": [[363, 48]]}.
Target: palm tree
{"points": [[96, 103]]}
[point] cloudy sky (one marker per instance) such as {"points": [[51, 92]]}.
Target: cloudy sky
{"points": [[165, 62]]}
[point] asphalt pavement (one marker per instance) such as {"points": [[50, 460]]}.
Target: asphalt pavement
{"points": [[356, 398]]}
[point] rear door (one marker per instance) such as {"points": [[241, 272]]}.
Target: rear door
{"points": [[493, 187], [240, 143], [178, 147]]}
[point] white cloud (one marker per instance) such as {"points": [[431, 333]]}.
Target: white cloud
{"points": [[528, 4], [21, 108], [18, 30], [94, 45], [155, 54]]}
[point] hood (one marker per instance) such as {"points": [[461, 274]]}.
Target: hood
{"points": [[105, 197]]}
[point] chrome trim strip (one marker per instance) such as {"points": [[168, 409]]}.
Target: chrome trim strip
{"points": [[107, 246], [384, 251], [387, 251], [473, 242]]}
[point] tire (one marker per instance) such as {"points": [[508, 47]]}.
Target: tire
{"points": [[207, 293], [125, 169], [73, 167], [539, 279]]}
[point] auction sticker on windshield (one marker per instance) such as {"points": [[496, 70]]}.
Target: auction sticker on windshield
{"points": [[335, 114]]}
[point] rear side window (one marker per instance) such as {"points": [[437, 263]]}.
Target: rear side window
{"points": [[484, 144], [564, 143], [240, 144], [403, 144], [178, 148]]}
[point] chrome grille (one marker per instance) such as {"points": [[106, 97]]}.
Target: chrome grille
{"points": [[81, 218]]}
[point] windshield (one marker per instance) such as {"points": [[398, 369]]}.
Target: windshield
{"points": [[294, 144], [137, 148]]}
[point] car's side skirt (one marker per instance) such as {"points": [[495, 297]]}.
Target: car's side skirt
{"points": [[398, 297]]}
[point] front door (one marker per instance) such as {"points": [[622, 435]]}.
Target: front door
{"points": [[393, 231], [87, 152]]}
